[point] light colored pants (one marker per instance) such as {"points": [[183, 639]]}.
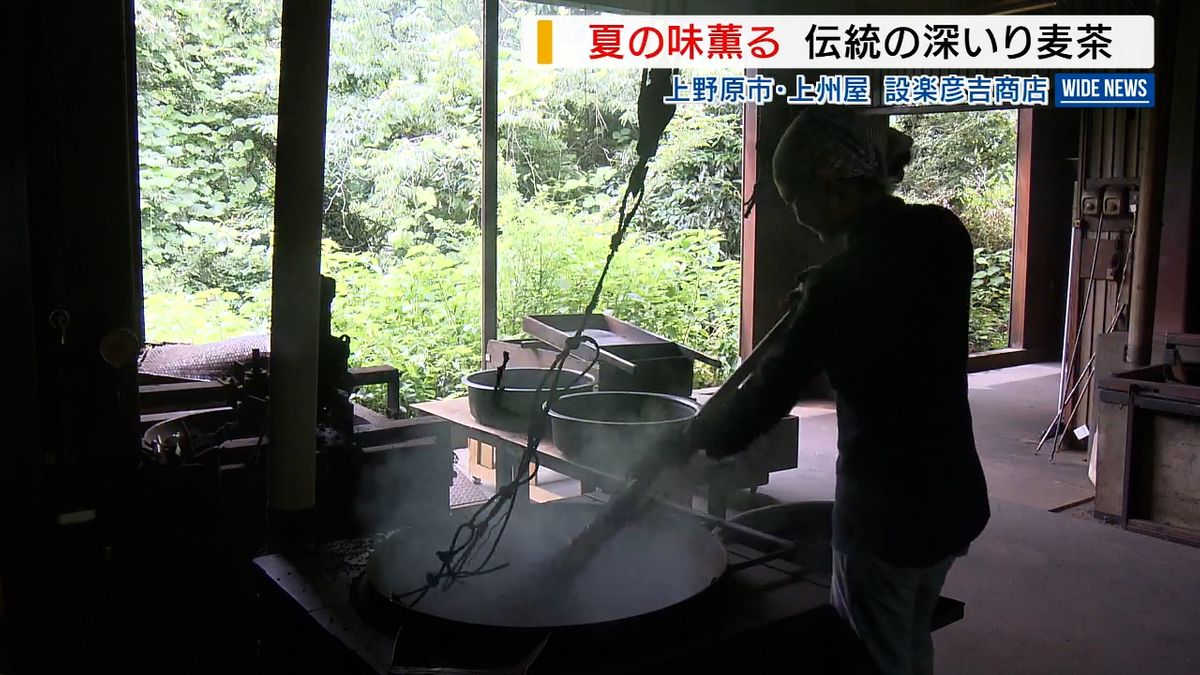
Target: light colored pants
{"points": [[890, 608]]}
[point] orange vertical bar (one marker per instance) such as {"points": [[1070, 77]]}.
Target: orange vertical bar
{"points": [[545, 41]]}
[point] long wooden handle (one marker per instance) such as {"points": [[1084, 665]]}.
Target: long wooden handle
{"points": [[744, 372]]}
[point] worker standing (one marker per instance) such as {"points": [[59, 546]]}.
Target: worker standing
{"points": [[887, 321]]}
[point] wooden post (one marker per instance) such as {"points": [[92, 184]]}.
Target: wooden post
{"points": [[746, 335], [296, 270], [487, 201], [1177, 303], [1042, 229]]}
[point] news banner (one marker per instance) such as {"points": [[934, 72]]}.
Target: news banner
{"points": [[890, 61]]}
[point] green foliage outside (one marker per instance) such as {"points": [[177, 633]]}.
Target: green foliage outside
{"points": [[207, 74], [403, 178], [991, 292], [966, 161], [402, 184]]}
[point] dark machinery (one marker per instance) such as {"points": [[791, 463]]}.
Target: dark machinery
{"points": [[215, 445], [190, 438], [199, 514]]}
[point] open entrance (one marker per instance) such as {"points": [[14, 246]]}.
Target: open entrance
{"points": [[967, 161]]}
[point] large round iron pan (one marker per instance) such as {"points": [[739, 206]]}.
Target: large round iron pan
{"points": [[657, 564]]}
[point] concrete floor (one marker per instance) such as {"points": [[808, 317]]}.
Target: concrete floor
{"points": [[1045, 592], [1012, 408]]}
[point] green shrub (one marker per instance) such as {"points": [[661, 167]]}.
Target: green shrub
{"points": [[991, 299], [402, 186], [201, 316]]}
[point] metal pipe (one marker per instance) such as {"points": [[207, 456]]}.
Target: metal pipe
{"points": [[296, 268], [1145, 252], [1065, 364], [488, 199], [1077, 233], [721, 523]]}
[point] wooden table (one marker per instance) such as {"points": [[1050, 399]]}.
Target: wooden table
{"points": [[775, 451]]}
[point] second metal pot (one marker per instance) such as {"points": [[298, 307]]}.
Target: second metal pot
{"points": [[610, 430]]}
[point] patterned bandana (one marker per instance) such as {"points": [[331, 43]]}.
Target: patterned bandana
{"points": [[836, 142]]}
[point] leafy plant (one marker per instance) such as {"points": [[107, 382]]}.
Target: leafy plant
{"points": [[202, 316], [991, 299], [402, 186], [965, 161]]}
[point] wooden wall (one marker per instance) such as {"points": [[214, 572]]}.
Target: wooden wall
{"points": [[1177, 302], [1114, 147], [71, 239], [1112, 152]]}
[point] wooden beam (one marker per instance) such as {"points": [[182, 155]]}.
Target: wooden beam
{"points": [[746, 333], [488, 198], [296, 279], [1006, 358], [1020, 272], [180, 395], [365, 375], [1046, 140], [1150, 251], [1179, 257]]}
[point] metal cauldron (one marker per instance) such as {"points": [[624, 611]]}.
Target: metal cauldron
{"points": [[611, 430], [510, 407], [654, 573]]}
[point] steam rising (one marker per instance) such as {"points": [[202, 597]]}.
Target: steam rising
{"points": [[402, 489], [653, 563]]}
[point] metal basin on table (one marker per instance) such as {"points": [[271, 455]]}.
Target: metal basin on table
{"points": [[511, 406], [610, 430]]}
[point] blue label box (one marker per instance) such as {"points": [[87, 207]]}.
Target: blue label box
{"points": [[1104, 90]]}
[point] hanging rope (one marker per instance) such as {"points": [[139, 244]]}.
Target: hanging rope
{"points": [[486, 526]]}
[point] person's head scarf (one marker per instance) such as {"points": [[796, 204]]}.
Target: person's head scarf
{"points": [[841, 143]]}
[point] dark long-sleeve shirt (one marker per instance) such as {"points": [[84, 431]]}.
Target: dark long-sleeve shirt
{"points": [[887, 321]]}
